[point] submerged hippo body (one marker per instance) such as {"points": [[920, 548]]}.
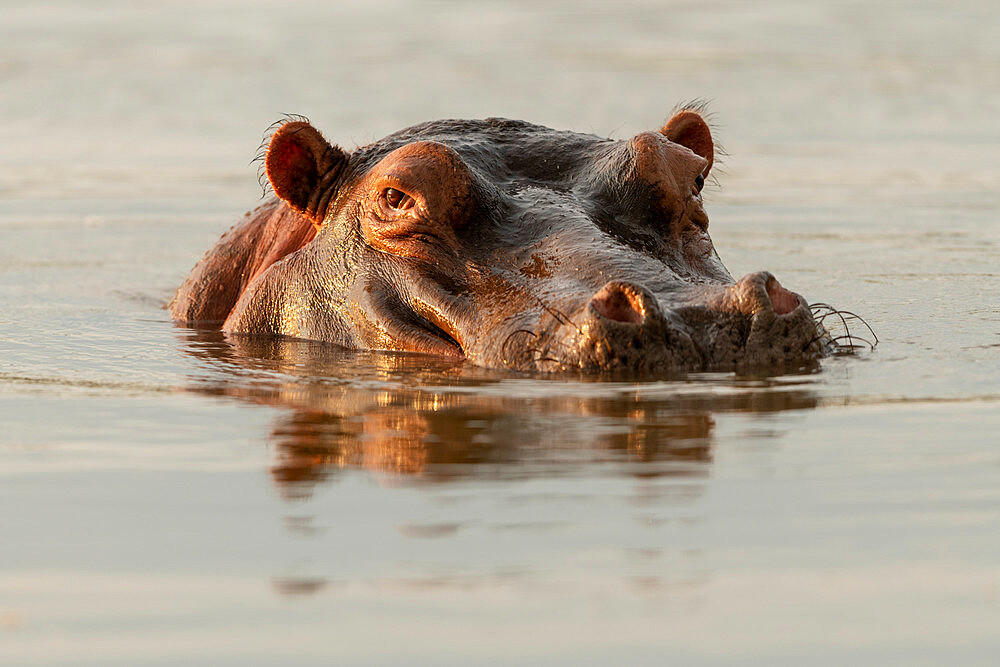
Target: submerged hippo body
{"points": [[505, 243]]}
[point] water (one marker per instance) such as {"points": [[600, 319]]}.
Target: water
{"points": [[167, 496]]}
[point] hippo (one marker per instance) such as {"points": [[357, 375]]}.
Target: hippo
{"points": [[502, 243]]}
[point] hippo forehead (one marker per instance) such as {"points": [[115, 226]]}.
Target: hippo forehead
{"points": [[504, 152]]}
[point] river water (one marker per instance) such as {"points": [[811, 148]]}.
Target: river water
{"points": [[168, 496]]}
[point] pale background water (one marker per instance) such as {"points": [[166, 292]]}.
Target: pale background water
{"points": [[167, 497]]}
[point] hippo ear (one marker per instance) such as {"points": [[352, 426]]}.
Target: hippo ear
{"points": [[690, 130], [303, 168]]}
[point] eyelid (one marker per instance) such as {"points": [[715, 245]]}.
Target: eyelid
{"points": [[393, 181], [404, 198], [414, 207]]}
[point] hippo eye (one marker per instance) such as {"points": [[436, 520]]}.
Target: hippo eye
{"points": [[699, 183], [397, 199]]}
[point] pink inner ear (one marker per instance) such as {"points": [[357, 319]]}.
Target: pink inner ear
{"points": [[291, 169], [688, 129]]}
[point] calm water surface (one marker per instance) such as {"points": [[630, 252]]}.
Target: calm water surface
{"points": [[171, 496]]}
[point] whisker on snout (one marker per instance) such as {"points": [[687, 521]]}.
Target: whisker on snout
{"points": [[533, 353], [835, 342], [549, 359], [851, 346], [559, 316], [506, 342], [537, 355]]}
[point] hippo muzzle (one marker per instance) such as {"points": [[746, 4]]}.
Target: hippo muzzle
{"points": [[504, 243], [754, 323]]}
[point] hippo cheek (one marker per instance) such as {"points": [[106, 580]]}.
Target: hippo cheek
{"points": [[391, 322]]}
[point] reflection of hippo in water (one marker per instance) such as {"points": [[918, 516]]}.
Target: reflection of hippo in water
{"points": [[437, 419], [508, 244]]}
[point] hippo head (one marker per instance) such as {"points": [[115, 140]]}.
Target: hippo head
{"points": [[517, 246]]}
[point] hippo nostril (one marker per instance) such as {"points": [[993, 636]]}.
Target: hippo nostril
{"points": [[782, 301], [616, 302]]}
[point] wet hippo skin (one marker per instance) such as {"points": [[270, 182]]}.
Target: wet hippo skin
{"points": [[504, 243]]}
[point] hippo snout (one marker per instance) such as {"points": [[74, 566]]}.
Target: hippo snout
{"points": [[753, 322], [623, 327]]}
